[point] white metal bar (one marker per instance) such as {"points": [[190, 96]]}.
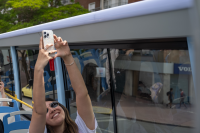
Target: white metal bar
{"points": [[130, 10], [5, 100], [20, 112]]}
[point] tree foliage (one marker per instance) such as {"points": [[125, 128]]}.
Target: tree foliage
{"points": [[3, 5], [4, 26], [27, 4], [51, 14], [18, 14]]}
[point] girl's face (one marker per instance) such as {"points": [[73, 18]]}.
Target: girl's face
{"points": [[55, 116]]}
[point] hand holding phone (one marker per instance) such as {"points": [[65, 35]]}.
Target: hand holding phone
{"points": [[48, 39]]}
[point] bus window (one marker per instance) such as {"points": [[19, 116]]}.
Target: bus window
{"points": [[154, 90], [27, 59], [92, 64], [6, 71]]}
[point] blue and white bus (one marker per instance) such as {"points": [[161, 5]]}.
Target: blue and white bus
{"points": [[129, 56]]}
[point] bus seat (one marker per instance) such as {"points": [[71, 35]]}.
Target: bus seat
{"points": [[5, 110], [17, 126], [77, 60]]}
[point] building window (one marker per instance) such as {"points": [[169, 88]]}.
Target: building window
{"points": [[91, 7], [107, 4], [65, 2]]}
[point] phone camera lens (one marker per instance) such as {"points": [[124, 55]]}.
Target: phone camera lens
{"points": [[45, 36], [44, 32]]}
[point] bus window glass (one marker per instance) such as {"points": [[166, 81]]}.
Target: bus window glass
{"points": [[27, 59], [92, 64], [6, 71], [143, 80]]}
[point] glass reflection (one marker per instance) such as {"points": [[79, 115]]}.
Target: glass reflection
{"points": [[143, 79], [6, 71], [27, 59], [93, 65]]}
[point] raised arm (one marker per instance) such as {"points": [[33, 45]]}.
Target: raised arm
{"points": [[38, 120], [3, 93], [83, 101]]}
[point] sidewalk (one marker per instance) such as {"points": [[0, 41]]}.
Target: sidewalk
{"points": [[144, 110]]}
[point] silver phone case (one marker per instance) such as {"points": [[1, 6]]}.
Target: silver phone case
{"points": [[48, 39]]}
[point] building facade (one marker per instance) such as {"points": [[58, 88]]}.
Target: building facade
{"points": [[95, 5]]}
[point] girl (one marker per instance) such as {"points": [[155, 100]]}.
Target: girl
{"points": [[50, 116]]}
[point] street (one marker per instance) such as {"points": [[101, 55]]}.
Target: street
{"points": [[105, 125], [125, 125]]}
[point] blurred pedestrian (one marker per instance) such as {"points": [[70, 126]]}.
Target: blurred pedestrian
{"points": [[155, 91], [170, 97], [182, 97]]}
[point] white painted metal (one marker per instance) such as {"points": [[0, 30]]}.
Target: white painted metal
{"points": [[5, 100], [20, 131], [121, 12], [20, 112]]}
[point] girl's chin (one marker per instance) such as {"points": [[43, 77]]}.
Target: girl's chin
{"points": [[57, 122]]}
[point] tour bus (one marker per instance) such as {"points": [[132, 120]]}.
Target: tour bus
{"points": [[130, 58]]}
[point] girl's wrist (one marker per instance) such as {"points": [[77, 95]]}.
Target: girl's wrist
{"points": [[38, 69], [68, 59]]}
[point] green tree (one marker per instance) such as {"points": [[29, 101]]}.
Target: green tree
{"points": [[24, 10], [20, 25], [4, 26], [51, 14], [18, 14], [3, 5], [55, 3]]}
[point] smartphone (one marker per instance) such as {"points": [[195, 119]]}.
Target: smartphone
{"points": [[48, 39]]}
